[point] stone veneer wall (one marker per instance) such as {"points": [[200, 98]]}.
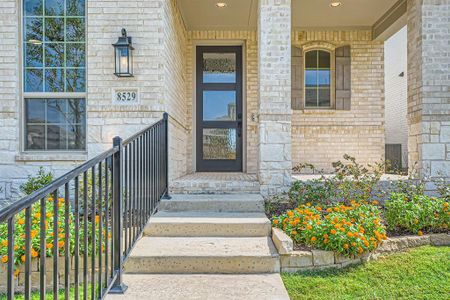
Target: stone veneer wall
{"points": [[250, 88], [303, 260], [429, 87], [324, 136]]}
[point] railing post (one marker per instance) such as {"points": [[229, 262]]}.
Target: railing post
{"points": [[118, 286], [166, 160]]}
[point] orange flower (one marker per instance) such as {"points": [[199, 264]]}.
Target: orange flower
{"points": [[336, 209], [360, 250], [420, 233], [313, 239], [309, 227], [346, 246], [16, 272], [37, 215], [349, 234], [319, 208], [275, 222], [23, 258], [333, 231], [294, 232], [289, 213], [325, 236], [33, 233], [4, 259], [49, 215], [446, 204], [325, 241], [5, 243], [61, 235], [21, 221], [61, 244], [49, 246], [366, 243], [375, 202], [329, 210], [34, 253], [353, 244]]}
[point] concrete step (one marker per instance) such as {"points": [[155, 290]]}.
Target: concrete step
{"points": [[206, 224], [214, 203], [203, 287], [202, 255]]}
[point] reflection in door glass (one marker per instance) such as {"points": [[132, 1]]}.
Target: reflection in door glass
{"points": [[219, 143], [219, 67], [219, 105]]}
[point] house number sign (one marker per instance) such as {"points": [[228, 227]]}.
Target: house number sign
{"points": [[126, 97]]}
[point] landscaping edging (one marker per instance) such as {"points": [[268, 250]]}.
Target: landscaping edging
{"points": [[294, 260]]}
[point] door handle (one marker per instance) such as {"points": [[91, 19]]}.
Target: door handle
{"points": [[239, 128]]}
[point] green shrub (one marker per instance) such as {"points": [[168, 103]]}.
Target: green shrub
{"points": [[36, 182], [350, 230], [416, 214], [351, 181]]}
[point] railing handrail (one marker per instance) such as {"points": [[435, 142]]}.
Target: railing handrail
{"points": [[28, 200]]}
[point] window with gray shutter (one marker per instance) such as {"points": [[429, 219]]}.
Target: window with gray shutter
{"points": [[343, 78], [297, 79]]}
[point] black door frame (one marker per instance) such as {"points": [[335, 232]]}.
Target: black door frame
{"points": [[218, 165]]}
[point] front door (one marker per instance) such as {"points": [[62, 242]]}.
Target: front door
{"points": [[219, 108]]}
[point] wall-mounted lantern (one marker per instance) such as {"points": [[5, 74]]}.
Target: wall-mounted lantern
{"points": [[123, 52]]}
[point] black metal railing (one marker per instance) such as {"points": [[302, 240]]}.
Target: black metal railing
{"points": [[72, 237]]}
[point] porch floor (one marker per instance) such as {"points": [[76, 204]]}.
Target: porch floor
{"points": [[215, 183]]}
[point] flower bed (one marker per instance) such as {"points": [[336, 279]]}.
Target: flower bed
{"points": [[347, 229]]}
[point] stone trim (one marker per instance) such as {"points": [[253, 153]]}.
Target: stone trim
{"points": [[294, 260]]}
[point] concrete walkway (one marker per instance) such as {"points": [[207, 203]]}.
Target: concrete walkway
{"points": [[203, 287]]}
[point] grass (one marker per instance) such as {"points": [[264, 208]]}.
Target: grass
{"points": [[49, 294], [421, 273]]}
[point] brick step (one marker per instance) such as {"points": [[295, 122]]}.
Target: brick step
{"points": [[213, 203], [203, 255], [215, 183], [207, 224]]}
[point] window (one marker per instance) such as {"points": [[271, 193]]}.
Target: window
{"points": [[317, 78], [54, 74]]}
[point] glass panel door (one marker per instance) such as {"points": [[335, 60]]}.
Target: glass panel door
{"points": [[219, 108]]}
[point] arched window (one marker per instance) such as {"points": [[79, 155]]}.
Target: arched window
{"points": [[317, 78]]}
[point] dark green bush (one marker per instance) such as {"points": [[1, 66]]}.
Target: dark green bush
{"points": [[36, 182]]}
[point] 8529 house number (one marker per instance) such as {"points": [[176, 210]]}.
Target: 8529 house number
{"points": [[126, 97]]}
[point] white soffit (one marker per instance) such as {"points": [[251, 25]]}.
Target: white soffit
{"points": [[242, 14]]}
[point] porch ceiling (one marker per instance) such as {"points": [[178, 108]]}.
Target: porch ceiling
{"points": [[242, 14]]}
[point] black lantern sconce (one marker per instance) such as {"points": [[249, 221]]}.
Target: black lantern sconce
{"points": [[123, 52]]}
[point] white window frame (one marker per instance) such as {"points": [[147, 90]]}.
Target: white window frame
{"points": [[45, 95]]}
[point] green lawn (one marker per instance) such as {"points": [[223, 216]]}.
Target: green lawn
{"points": [[421, 273]]}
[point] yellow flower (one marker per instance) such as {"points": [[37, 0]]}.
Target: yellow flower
{"points": [[5, 243], [420, 233]]}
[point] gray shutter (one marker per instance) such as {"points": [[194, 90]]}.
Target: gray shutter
{"points": [[343, 78], [297, 78]]}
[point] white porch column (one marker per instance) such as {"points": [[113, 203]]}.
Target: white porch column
{"points": [[274, 70], [429, 87]]}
